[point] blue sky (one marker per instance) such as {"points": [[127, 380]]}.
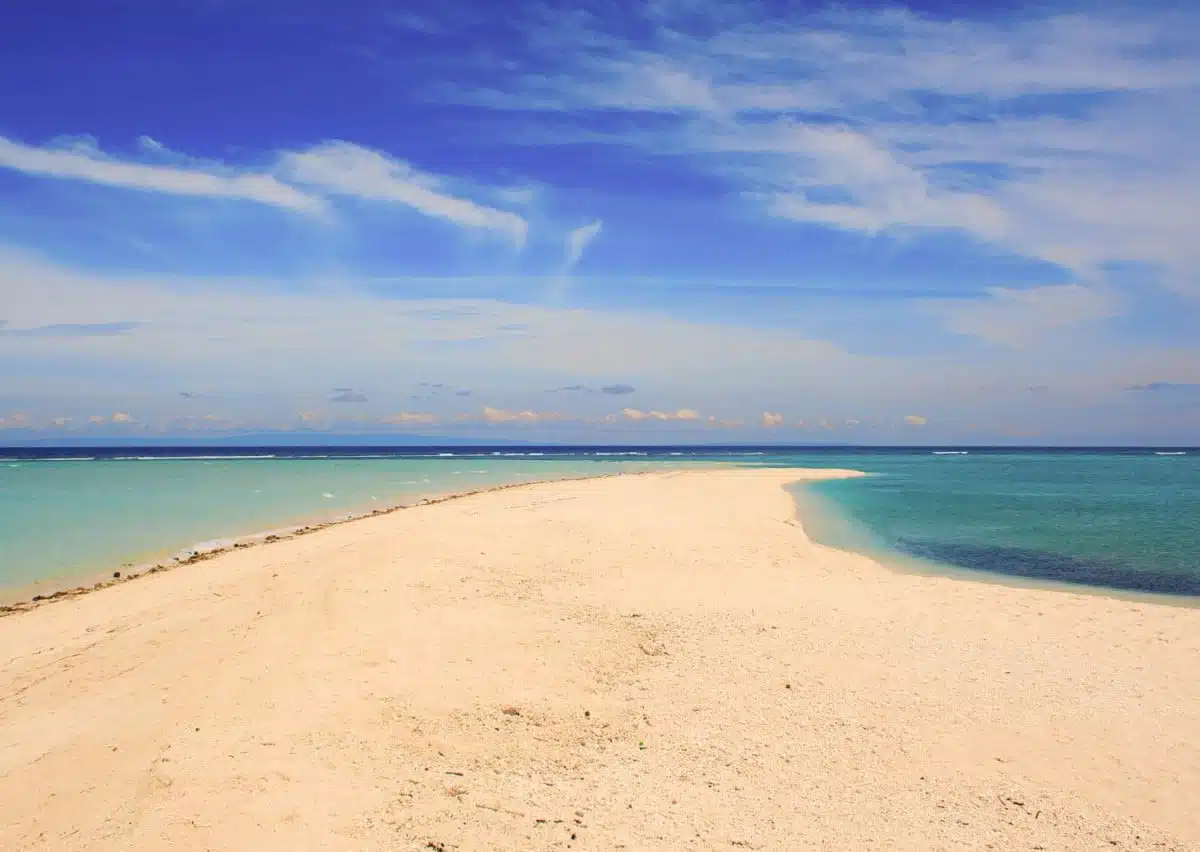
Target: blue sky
{"points": [[664, 221]]}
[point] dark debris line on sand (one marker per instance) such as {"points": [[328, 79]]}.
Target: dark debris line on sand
{"points": [[119, 577]]}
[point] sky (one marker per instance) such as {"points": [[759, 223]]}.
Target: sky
{"points": [[671, 221]]}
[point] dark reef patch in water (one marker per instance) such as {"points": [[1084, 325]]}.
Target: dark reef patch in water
{"points": [[1044, 565]]}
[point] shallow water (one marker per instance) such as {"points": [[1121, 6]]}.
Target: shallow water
{"points": [[1125, 520], [1117, 519], [73, 516]]}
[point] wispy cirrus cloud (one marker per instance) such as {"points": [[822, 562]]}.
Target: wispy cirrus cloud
{"points": [[608, 390], [88, 163], [579, 239], [296, 181], [1059, 137], [1012, 317], [234, 342], [71, 329], [343, 168], [1166, 387]]}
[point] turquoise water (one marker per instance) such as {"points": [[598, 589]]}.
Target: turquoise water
{"points": [[1125, 520], [1119, 520], [68, 518]]}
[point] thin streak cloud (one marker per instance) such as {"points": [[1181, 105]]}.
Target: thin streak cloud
{"points": [[579, 239], [90, 164], [343, 168]]}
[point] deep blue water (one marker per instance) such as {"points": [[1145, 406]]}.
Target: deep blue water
{"points": [[1117, 518]]}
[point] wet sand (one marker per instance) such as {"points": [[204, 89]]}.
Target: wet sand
{"points": [[652, 661]]}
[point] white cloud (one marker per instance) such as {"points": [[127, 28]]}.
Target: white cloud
{"points": [[119, 417], [1019, 317], [344, 168], [237, 340], [662, 84], [243, 333], [881, 192], [579, 239], [681, 414], [1068, 138], [770, 420], [915, 420], [498, 415], [84, 162], [200, 423], [518, 196], [332, 167], [410, 418]]}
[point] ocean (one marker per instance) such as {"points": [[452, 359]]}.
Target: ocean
{"points": [[1116, 519]]}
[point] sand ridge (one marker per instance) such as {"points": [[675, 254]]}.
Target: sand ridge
{"points": [[652, 661], [40, 593]]}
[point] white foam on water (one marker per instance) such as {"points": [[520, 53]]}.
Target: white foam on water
{"points": [[212, 544], [184, 458]]}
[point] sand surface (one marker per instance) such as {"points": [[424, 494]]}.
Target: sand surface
{"points": [[661, 661]]}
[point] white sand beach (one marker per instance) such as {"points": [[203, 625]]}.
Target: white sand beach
{"points": [[657, 661]]}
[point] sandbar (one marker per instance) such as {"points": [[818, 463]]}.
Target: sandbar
{"points": [[651, 661]]}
